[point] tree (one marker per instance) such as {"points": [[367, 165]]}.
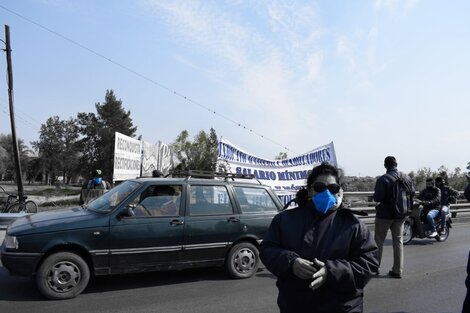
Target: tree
{"points": [[201, 154], [7, 157], [58, 148], [98, 131]]}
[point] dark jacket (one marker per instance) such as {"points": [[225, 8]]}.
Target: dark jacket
{"points": [[383, 193], [448, 195], [339, 239], [466, 303], [466, 193], [430, 198]]}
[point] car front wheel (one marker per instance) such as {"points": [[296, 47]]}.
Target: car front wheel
{"points": [[242, 260], [62, 275]]}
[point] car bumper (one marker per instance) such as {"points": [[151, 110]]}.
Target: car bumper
{"points": [[20, 263]]}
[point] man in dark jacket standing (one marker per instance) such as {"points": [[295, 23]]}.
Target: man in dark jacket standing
{"points": [[322, 255], [387, 217]]}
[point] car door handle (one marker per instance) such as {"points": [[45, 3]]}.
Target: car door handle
{"points": [[233, 219], [176, 222]]}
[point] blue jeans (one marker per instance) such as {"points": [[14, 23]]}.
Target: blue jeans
{"points": [[444, 212], [432, 214]]}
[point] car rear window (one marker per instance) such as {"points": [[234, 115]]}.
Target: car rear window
{"points": [[253, 200]]}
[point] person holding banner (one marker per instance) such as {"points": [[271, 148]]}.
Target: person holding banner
{"points": [[94, 187], [322, 254]]}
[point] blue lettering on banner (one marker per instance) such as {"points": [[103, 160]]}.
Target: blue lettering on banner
{"points": [[295, 175]]}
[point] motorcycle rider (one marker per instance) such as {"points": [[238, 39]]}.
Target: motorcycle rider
{"points": [[430, 198], [448, 195]]}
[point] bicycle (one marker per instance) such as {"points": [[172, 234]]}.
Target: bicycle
{"points": [[14, 204]]}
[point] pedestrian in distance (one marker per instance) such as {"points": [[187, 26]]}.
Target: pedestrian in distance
{"points": [[394, 193], [157, 173], [321, 253], [94, 187]]}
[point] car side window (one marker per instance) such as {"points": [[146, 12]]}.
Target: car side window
{"points": [[254, 200], [209, 200], [158, 200]]}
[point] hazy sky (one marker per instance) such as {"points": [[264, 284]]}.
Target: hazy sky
{"points": [[378, 78]]}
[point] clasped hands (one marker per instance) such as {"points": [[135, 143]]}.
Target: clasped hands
{"points": [[305, 269]]}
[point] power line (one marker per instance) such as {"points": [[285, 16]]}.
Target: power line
{"points": [[174, 92], [24, 121]]}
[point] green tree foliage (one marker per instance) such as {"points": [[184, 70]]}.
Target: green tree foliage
{"points": [[98, 131], [7, 157], [201, 154], [58, 148]]}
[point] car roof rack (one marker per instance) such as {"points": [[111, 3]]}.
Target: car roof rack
{"points": [[209, 174]]}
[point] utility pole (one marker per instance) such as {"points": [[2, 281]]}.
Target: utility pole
{"points": [[19, 178]]}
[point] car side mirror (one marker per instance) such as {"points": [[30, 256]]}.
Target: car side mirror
{"points": [[128, 211]]}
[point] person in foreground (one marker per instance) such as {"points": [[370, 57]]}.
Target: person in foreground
{"points": [[322, 254], [466, 303]]}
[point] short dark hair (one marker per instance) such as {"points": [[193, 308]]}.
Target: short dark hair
{"points": [[390, 162], [430, 179], [439, 180], [157, 173], [322, 169]]}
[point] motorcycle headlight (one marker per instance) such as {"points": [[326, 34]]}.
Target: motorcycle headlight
{"points": [[10, 242]]}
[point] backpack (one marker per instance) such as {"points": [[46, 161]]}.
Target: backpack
{"points": [[401, 198]]}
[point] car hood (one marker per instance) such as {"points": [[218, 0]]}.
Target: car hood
{"points": [[56, 220]]}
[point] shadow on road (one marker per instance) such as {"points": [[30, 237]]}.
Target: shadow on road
{"points": [[14, 288]]}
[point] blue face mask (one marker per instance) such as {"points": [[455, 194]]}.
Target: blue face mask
{"points": [[98, 180], [324, 201]]}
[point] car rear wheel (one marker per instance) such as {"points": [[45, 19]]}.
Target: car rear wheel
{"points": [[62, 275], [242, 260]]}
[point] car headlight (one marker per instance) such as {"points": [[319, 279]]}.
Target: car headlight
{"points": [[10, 242]]}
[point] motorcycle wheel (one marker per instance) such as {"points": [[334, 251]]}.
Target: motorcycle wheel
{"points": [[407, 232], [445, 236]]}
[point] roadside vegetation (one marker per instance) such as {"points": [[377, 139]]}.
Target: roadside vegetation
{"points": [[68, 150]]}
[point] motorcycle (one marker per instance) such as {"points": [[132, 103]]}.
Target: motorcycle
{"points": [[416, 225]]}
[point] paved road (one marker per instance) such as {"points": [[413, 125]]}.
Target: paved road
{"points": [[434, 283]]}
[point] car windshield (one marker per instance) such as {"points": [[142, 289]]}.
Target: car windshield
{"points": [[111, 199]]}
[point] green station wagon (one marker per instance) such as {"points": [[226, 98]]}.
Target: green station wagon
{"points": [[145, 224]]}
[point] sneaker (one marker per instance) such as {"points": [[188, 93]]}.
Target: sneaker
{"points": [[394, 275], [433, 234], [442, 231]]}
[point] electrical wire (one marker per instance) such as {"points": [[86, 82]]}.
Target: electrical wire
{"points": [[174, 92]]}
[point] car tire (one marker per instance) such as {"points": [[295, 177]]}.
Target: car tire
{"points": [[242, 260], [62, 275]]}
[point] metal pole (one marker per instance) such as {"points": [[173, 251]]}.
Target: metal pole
{"points": [[19, 178]]}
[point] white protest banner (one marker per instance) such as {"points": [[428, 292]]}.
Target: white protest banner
{"points": [[127, 157], [149, 158], [284, 176], [156, 157]]}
